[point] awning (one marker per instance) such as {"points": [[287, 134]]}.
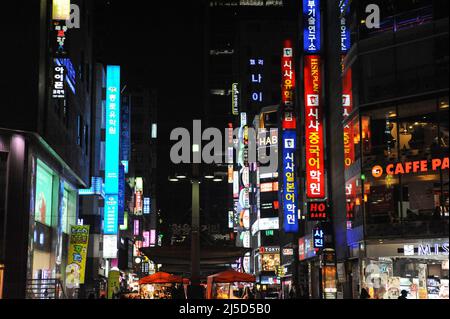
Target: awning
{"points": [[160, 278]]}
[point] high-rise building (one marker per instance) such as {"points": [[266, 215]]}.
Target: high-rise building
{"points": [[45, 142], [386, 119]]}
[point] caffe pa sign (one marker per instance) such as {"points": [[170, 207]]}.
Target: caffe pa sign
{"points": [[411, 167]]}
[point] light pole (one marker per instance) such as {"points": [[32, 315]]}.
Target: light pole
{"points": [[195, 231], [195, 291]]}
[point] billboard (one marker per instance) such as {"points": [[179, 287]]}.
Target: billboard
{"points": [[314, 146], [76, 259], [311, 26], [44, 191], [290, 189]]}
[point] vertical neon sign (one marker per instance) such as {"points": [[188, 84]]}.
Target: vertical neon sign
{"points": [[315, 171], [290, 190], [311, 22], [111, 212]]}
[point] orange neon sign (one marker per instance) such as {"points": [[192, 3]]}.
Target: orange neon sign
{"points": [[421, 166]]}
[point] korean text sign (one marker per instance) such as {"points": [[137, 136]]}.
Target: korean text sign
{"points": [[315, 172], [290, 189], [78, 246], [111, 214], [311, 26], [112, 129]]}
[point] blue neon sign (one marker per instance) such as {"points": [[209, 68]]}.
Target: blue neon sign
{"points": [[121, 198], [112, 130], [311, 26], [290, 189], [112, 144], [111, 217], [318, 237], [345, 29]]}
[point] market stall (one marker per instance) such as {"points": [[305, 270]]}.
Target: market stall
{"points": [[160, 285], [229, 284]]}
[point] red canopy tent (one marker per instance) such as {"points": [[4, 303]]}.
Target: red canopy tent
{"points": [[160, 278], [228, 276]]}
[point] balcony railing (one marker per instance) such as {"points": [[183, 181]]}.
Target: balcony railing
{"points": [[45, 289]]}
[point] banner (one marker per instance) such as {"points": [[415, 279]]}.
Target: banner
{"points": [[76, 259], [315, 170]]}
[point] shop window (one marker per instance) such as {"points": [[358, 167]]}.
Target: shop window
{"points": [[379, 137], [270, 262], [418, 130]]}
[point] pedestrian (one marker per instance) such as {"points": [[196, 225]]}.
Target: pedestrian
{"points": [[293, 293], [364, 294], [403, 295]]}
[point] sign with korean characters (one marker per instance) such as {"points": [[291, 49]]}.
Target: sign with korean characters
{"points": [[111, 211], [76, 259], [344, 7], [288, 75], [290, 190], [235, 96], [112, 129], [288, 86], [314, 146], [318, 237], [311, 26], [256, 96], [58, 87], [347, 105]]}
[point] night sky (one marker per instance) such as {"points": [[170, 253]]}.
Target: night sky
{"points": [[160, 47]]}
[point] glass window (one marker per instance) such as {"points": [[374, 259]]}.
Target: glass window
{"points": [[3, 161], [44, 194], [418, 130], [379, 137]]}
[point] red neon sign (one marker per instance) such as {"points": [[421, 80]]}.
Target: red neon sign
{"points": [[347, 104], [315, 170], [288, 85]]}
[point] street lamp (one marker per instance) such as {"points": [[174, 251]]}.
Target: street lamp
{"points": [[195, 291]]}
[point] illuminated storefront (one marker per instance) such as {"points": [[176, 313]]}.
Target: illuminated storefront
{"points": [[418, 266], [55, 211]]}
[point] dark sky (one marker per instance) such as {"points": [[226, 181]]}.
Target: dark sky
{"points": [[158, 46]]}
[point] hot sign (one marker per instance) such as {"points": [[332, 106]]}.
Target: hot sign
{"points": [[317, 211]]}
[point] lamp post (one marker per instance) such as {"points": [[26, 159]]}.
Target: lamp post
{"points": [[195, 291]]}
